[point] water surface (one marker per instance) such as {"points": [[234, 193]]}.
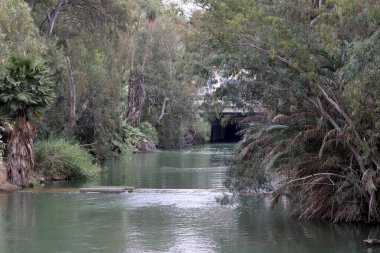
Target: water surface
{"points": [[174, 210]]}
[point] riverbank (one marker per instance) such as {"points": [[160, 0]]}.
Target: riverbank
{"points": [[4, 185]]}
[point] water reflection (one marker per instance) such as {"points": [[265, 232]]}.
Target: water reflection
{"points": [[145, 222], [164, 222], [202, 167], [186, 219]]}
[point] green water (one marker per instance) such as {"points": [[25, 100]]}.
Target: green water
{"points": [[174, 210]]}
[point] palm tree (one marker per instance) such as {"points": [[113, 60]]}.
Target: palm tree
{"points": [[25, 90]]}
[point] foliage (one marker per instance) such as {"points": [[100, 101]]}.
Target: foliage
{"points": [[314, 66], [92, 48], [170, 91], [172, 134], [26, 88], [18, 34], [129, 138], [148, 130], [199, 131], [59, 159], [88, 51], [131, 135]]}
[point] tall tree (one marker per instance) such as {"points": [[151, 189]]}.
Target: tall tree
{"points": [[90, 38], [136, 80], [26, 90]]}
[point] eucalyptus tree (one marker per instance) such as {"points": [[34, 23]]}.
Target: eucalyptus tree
{"points": [[19, 35], [170, 90], [142, 38], [90, 40], [26, 90]]}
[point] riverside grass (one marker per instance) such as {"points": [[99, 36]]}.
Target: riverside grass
{"points": [[60, 159]]}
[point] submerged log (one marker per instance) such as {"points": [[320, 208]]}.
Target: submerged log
{"points": [[107, 189]]}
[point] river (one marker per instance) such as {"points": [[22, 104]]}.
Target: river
{"points": [[173, 209]]}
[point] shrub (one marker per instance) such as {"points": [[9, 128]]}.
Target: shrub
{"points": [[129, 138], [64, 160], [149, 131], [172, 134], [201, 130], [131, 135]]}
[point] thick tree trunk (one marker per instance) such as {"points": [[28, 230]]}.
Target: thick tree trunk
{"points": [[136, 96], [20, 161]]}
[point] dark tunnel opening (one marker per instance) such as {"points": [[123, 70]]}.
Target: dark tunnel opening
{"points": [[228, 133]]}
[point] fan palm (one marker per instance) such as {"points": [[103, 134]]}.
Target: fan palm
{"points": [[25, 90]]}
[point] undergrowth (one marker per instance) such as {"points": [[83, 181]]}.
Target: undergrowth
{"points": [[64, 160]]}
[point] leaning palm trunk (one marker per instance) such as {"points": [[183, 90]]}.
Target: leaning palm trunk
{"points": [[21, 152]]}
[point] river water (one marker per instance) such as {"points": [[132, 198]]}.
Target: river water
{"points": [[173, 209]]}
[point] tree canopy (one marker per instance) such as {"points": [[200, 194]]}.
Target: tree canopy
{"points": [[314, 66]]}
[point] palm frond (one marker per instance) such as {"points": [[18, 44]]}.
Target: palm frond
{"points": [[306, 135]]}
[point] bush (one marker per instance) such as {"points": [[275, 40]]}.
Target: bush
{"points": [[171, 134], [63, 160], [149, 131], [201, 130], [129, 138], [131, 135], [175, 133]]}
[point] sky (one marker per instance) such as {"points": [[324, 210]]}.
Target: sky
{"points": [[187, 6]]}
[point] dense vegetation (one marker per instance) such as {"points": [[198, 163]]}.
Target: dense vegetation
{"points": [[61, 160], [315, 66], [26, 90], [112, 64]]}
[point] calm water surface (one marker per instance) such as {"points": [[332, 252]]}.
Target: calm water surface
{"points": [[174, 210]]}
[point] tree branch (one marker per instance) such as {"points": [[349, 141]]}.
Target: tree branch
{"points": [[52, 15]]}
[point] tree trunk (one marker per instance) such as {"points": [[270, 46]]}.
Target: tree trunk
{"points": [[21, 152], [73, 94], [136, 96], [158, 123], [74, 114], [321, 3], [52, 16]]}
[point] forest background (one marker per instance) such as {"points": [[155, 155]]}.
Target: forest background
{"points": [[314, 65]]}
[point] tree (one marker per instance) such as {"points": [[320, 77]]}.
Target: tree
{"points": [[90, 40], [26, 90], [19, 35], [136, 79], [313, 65], [170, 89]]}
